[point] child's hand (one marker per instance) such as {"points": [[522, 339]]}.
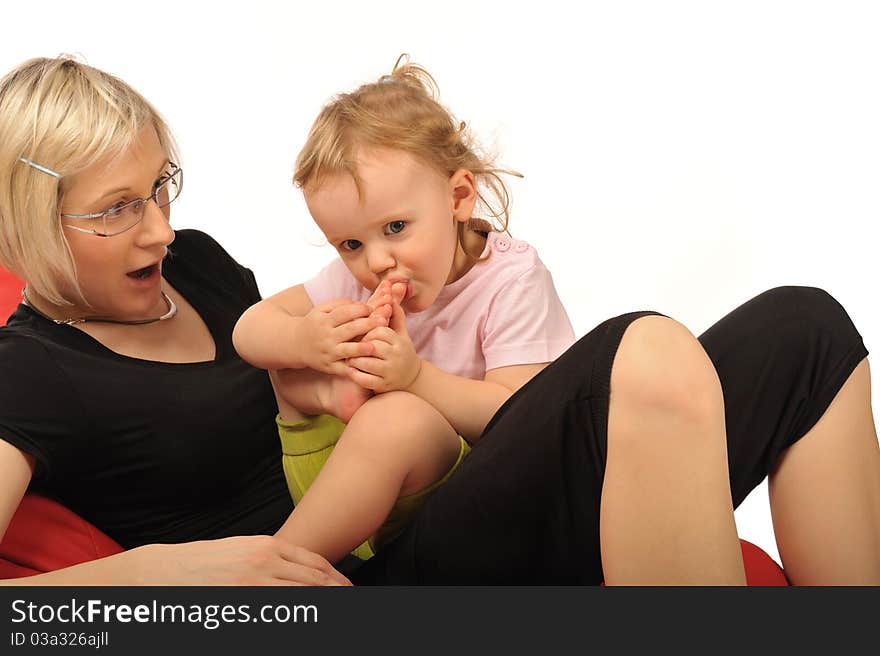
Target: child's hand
{"points": [[332, 333], [395, 364]]}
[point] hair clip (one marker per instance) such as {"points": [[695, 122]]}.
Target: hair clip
{"points": [[39, 167]]}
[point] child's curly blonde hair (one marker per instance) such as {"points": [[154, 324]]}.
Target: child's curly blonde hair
{"points": [[399, 111]]}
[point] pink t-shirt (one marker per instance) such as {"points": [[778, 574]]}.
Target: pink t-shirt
{"points": [[504, 311]]}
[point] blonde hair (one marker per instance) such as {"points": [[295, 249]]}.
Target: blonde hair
{"points": [[400, 111], [65, 116]]}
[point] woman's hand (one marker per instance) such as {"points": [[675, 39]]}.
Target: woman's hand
{"points": [[243, 560]]}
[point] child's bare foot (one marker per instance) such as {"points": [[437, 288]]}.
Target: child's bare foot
{"points": [[309, 392], [341, 397], [383, 296]]}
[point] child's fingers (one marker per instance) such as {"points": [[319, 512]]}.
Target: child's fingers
{"points": [[348, 350], [365, 380], [374, 366], [329, 306], [349, 331], [343, 314], [381, 334], [338, 368]]}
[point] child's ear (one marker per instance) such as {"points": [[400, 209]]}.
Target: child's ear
{"points": [[463, 188]]}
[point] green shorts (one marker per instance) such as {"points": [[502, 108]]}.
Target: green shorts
{"points": [[307, 444]]}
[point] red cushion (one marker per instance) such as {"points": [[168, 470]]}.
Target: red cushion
{"points": [[44, 536], [10, 294], [761, 569]]}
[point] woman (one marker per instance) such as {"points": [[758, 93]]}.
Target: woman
{"points": [[122, 397]]}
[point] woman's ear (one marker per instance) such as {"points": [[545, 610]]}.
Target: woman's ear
{"points": [[463, 189]]}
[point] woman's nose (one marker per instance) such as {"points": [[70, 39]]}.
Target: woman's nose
{"points": [[155, 226]]}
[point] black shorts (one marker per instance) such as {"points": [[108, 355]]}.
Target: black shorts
{"points": [[524, 506]]}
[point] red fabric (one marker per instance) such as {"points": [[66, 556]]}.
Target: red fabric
{"points": [[44, 536], [761, 569], [10, 294]]}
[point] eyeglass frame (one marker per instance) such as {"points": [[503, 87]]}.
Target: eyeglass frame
{"points": [[152, 197]]}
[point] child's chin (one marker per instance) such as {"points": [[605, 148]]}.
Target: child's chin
{"points": [[414, 305]]}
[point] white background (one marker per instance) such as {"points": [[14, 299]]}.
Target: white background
{"points": [[678, 156]]}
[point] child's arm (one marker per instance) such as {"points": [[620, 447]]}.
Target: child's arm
{"points": [[286, 331], [467, 404]]}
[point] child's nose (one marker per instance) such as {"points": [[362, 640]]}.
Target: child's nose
{"points": [[379, 260]]}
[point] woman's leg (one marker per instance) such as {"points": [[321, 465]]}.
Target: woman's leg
{"points": [[667, 514], [523, 507], [825, 494], [395, 445], [797, 390]]}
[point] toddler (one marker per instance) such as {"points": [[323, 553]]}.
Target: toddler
{"points": [[391, 361]]}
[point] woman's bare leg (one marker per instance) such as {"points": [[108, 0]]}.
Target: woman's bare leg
{"points": [[395, 445], [825, 494], [666, 511]]}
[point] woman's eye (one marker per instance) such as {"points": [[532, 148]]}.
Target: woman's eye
{"points": [[350, 245], [117, 209], [394, 227]]}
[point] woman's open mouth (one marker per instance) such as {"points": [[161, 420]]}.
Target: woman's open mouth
{"points": [[144, 274]]}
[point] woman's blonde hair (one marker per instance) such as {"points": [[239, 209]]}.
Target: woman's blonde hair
{"points": [[65, 116], [399, 111]]}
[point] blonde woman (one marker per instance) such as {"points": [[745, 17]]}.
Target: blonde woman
{"points": [[121, 395]]}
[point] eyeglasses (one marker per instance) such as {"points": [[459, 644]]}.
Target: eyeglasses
{"points": [[125, 216]]}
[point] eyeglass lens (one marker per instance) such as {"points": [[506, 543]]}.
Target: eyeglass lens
{"points": [[127, 215]]}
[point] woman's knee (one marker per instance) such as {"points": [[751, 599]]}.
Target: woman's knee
{"points": [[661, 367], [808, 305]]}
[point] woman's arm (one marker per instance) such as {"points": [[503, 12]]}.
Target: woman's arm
{"points": [[248, 560], [17, 468], [245, 560]]}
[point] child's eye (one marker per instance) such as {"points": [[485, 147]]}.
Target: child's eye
{"points": [[350, 245], [394, 227]]}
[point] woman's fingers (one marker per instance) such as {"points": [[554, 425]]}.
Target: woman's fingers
{"points": [[309, 568]]}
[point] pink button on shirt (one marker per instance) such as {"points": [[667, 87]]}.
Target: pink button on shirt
{"points": [[505, 311]]}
